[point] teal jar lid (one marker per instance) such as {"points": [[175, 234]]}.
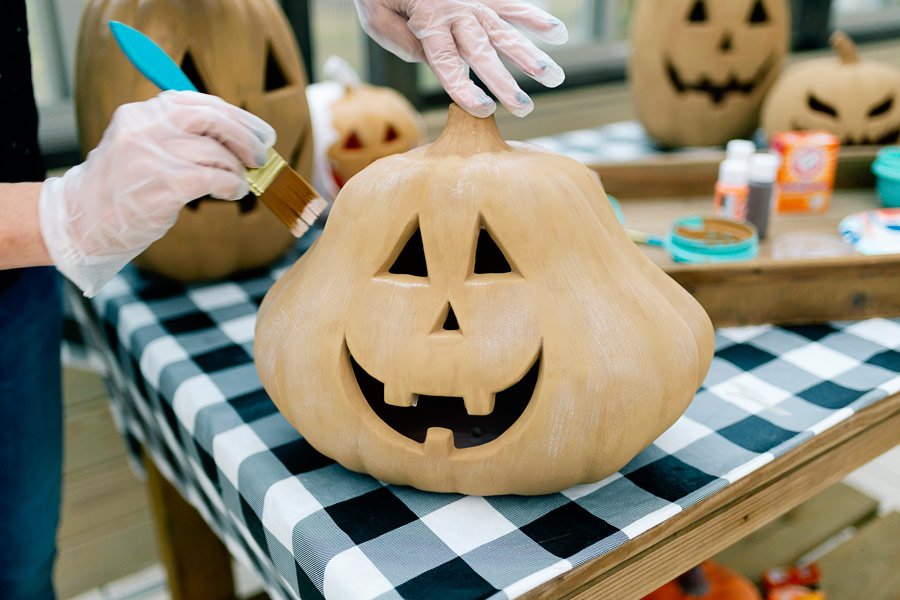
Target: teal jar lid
{"points": [[697, 239], [887, 163]]}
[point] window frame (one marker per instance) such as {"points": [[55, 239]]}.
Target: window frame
{"points": [[590, 64]]}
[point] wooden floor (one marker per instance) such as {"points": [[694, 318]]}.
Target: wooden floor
{"points": [[106, 530]]}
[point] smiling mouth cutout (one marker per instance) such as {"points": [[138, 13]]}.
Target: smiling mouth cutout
{"points": [[444, 412], [719, 91]]}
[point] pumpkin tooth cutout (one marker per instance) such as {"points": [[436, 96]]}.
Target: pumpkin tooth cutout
{"points": [[398, 395], [843, 95], [564, 367], [438, 443], [700, 69]]}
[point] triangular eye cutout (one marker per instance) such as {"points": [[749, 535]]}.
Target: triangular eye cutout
{"points": [[352, 142], [450, 323], [391, 134], [275, 75], [821, 107], [698, 12], [411, 260], [247, 203], [759, 14], [190, 69], [882, 107], [489, 257]]}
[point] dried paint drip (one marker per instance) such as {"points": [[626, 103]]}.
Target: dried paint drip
{"points": [[715, 231]]}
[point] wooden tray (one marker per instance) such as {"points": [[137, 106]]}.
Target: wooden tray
{"points": [[695, 174], [765, 290]]}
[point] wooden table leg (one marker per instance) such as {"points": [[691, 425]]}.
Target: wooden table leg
{"points": [[197, 563]]}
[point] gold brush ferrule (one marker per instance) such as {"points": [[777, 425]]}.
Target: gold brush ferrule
{"points": [[262, 177]]}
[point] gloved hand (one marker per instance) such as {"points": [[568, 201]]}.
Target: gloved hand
{"points": [[445, 33], [155, 157]]}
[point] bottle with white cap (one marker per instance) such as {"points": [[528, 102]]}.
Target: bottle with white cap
{"points": [[763, 174], [740, 150], [732, 189]]}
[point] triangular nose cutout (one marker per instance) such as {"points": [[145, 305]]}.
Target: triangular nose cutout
{"points": [[450, 323], [446, 322], [725, 43]]}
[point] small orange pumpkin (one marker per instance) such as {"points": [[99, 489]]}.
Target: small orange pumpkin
{"points": [[356, 124], [722, 584]]}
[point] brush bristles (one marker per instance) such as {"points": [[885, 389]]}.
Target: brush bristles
{"points": [[294, 202]]}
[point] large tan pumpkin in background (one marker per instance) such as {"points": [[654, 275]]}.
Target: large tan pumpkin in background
{"points": [[486, 328], [240, 50], [858, 101], [699, 69]]}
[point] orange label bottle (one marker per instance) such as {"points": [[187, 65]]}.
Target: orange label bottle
{"points": [[732, 190]]}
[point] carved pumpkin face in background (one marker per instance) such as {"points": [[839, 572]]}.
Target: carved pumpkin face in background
{"points": [[371, 123], [449, 340], [240, 50], [700, 69], [858, 101]]}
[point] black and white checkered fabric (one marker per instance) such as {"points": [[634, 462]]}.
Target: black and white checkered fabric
{"points": [[186, 388]]}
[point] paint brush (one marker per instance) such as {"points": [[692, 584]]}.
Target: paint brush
{"points": [[289, 196]]}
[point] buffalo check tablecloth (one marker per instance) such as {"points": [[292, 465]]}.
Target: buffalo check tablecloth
{"points": [[179, 361]]}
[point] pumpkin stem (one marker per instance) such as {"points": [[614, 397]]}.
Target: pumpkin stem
{"points": [[465, 135], [845, 48]]}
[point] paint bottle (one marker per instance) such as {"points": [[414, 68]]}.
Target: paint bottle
{"points": [[763, 173], [740, 150], [732, 190]]}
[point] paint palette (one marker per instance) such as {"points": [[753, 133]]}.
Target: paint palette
{"points": [[873, 231]]}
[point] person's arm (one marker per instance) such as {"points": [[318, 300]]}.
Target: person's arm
{"points": [[155, 157], [21, 243]]}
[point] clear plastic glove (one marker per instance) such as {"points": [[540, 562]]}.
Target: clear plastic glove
{"points": [[155, 157], [449, 34]]}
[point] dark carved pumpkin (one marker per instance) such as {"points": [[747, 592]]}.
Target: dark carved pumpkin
{"points": [[474, 319], [240, 50], [699, 69], [858, 101]]}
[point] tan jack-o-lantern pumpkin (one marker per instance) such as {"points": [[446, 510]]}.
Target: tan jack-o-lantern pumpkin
{"points": [[240, 50], [474, 319], [858, 101], [356, 124], [699, 69]]}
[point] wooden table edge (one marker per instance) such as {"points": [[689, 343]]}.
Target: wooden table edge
{"points": [[639, 566]]}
